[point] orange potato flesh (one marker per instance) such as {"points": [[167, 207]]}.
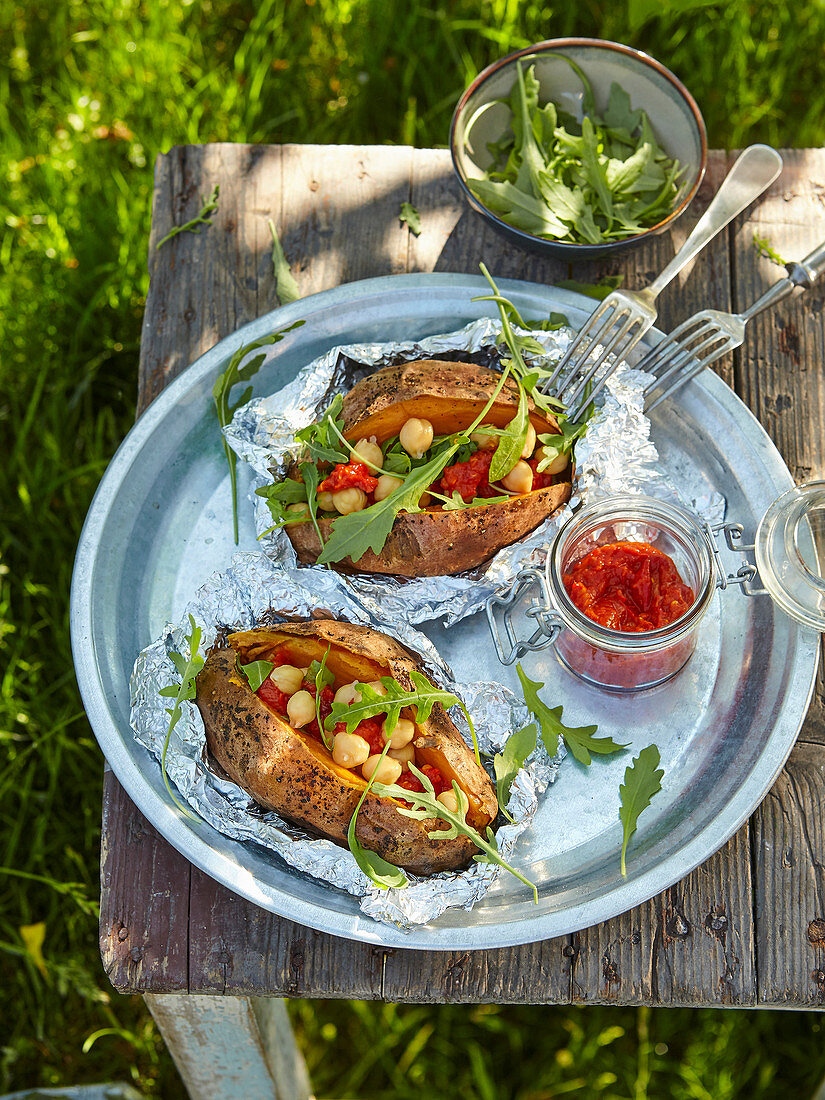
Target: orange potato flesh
{"points": [[445, 419]]}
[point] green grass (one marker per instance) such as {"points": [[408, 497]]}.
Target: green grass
{"points": [[90, 92]]}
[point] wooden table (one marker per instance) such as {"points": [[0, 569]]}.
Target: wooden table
{"points": [[747, 927]]}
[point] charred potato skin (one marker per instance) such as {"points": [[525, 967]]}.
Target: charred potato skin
{"points": [[434, 543], [295, 775]]}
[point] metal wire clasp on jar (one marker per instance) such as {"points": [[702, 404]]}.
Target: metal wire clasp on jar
{"points": [[617, 660]]}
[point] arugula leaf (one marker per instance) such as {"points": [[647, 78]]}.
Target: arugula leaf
{"points": [[560, 443], [285, 286], [507, 764], [642, 780], [375, 867], [422, 697], [225, 411], [208, 207], [579, 739], [256, 672], [321, 438], [187, 668], [560, 178], [426, 805], [411, 217], [598, 290], [323, 678], [764, 247], [511, 441], [311, 478]]}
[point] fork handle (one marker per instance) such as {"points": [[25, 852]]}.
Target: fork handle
{"points": [[803, 274], [808, 270], [754, 171]]}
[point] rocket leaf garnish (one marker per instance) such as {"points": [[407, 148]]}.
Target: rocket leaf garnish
{"points": [[383, 873], [425, 805], [323, 677], [285, 286], [256, 672], [220, 392], [508, 763], [422, 697], [642, 780], [188, 668], [208, 208], [579, 739]]}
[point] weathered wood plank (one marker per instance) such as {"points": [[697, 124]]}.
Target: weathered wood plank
{"points": [[779, 375], [692, 945], [237, 948], [144, 900], [789, 850]]}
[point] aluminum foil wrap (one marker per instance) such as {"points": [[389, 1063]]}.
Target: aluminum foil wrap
{"points": [[254, 591], [614, 455]]}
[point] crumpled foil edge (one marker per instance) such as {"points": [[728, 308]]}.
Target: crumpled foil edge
{"points": [[615, 454], [255, 590]]}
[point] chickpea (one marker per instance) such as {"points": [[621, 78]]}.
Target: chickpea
{"points": [[530, 442], [485, 442], [301, 508], [402, 734], [520, 478], [368, 451], [448, 800], [349, 750], [325, 502], [387, 484], [287, 678], [405, 756], [558, 464], [300, 709], [349, 500], [347, 694], [386, 770], [378, 686], [416, 436]]}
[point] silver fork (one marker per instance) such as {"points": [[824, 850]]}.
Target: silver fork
{"points": [[708, 335], [619, 322]]}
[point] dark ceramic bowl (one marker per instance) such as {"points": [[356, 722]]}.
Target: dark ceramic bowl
{"points": [[674, 116]]}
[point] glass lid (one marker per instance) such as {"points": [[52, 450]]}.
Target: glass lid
{"points": [[790, 553]]}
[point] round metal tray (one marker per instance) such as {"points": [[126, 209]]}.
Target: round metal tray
{"points": [[160, 524]]}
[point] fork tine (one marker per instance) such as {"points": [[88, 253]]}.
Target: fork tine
{"points": [[678, 338], [607, 313], [625, 339], [694, 363]]}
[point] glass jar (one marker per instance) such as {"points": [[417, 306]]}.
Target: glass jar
{"points": [[790, 563], [630, 660]]}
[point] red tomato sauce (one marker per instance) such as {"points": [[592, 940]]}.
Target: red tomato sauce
{"points": [[355, 475], [371, 729], [628, 586], [411, 782], [471, 477]]}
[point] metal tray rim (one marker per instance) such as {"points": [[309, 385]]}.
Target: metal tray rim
{"points": [[193, 842]]}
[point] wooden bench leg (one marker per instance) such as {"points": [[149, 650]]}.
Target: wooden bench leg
{"points": [[230, 1047]]}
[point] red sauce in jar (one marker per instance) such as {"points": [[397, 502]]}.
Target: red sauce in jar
{"points": [[628, 586]]}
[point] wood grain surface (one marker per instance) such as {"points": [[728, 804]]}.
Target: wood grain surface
{"points": [[747, 927]]}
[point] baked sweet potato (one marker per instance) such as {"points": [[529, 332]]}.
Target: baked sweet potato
{"points": [[292, 772], [437, 541]]}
